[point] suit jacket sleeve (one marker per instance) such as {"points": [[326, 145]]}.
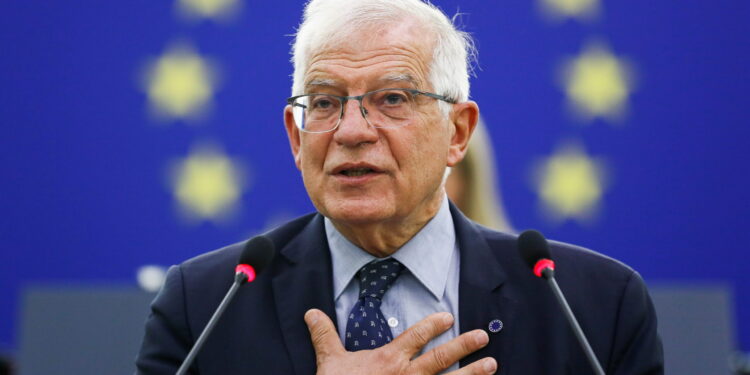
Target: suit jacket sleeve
{"points": [[637, 348], [167, 338]]}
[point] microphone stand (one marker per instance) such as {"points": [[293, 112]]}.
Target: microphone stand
{"points": [[239, 279], [549, 275]]}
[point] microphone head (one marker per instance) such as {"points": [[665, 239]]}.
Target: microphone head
{"points": [[257, 253], [533, 247]]}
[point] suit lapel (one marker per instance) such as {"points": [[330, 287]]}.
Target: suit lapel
{"points": [[302, 281], [481, 296]]}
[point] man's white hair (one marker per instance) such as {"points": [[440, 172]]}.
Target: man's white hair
{"points": [[326, 22]]}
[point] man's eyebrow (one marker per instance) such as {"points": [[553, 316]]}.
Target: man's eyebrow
{"points": [[321, 82], [328, 82], [405, 77]]}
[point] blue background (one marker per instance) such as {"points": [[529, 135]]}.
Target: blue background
{"points": [[84, 197]]}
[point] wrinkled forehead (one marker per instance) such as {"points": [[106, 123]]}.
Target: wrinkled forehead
{"points": [[398, 53]]}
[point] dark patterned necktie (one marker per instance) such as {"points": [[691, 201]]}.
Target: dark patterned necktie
{"points": [[366, 327]]}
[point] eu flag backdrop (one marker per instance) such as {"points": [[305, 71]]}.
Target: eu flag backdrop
{"points": [[146, 132]]}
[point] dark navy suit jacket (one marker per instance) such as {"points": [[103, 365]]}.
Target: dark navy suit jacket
{"points": [[263, 332]]}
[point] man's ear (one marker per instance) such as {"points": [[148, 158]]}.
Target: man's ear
{"points": [[292, 132], [464, 119]]}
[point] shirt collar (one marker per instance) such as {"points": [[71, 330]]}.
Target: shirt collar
{"points": [[427, 255]]}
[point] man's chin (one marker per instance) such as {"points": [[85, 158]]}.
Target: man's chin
{"points": [[358, 212]]}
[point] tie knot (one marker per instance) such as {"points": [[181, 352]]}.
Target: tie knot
{"points": [[377, 277]]}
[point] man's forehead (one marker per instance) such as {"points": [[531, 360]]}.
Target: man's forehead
{"points": [[372, 55], [320, 79]]}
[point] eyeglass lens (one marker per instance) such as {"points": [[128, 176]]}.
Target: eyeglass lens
{"points": [[382, 109]]}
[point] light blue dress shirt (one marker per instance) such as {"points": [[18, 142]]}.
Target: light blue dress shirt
{"points": [[428, 284]]}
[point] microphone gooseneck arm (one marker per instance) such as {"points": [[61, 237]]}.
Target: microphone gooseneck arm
{"points": [[239, 279], [256, 255], [549, 275]]}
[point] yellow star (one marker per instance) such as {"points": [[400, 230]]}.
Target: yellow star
{"points": [[581, 9], [570, 183], [207, 184], [181, 83], [216, 9], [597, 83]]}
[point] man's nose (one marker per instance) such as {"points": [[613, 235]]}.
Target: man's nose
{"points": [[354, 129]]}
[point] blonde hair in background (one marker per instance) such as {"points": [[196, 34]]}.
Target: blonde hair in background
{"points": [[471, 184]]}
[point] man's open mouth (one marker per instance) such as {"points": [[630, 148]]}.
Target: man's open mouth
{"points": [[356, 172]]}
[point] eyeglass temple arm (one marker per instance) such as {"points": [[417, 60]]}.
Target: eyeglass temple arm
{"points": [[436, 96]]}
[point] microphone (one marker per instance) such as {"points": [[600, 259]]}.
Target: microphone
{"points": [[256, 255], [535, 252]]}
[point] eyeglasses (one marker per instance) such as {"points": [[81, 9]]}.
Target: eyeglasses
{"points": [[384, 108]]}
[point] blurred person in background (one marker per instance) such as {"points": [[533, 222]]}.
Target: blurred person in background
{"points": [[471, 183]]}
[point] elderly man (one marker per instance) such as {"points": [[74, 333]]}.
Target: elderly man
{"points": [[388, 277]]}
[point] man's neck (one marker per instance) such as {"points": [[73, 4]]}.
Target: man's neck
{"points": [[382, 239]]}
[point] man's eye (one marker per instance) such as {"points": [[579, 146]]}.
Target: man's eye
{"points": [[395, 99], [323, 103]]}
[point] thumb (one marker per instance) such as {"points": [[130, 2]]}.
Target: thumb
{"points": [[323, 334]]}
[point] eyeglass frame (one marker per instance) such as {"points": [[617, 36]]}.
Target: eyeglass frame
{"points": [[362, 109]]}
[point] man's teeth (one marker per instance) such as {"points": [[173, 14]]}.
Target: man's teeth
{"points": [[356, 172]]}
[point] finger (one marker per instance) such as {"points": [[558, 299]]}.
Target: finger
{"points": [[445, 355], [323, 334], [482, 367], [418, 335]]}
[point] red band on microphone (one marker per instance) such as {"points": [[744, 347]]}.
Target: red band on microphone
{"points": [[543, 264], [247, 269]]}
